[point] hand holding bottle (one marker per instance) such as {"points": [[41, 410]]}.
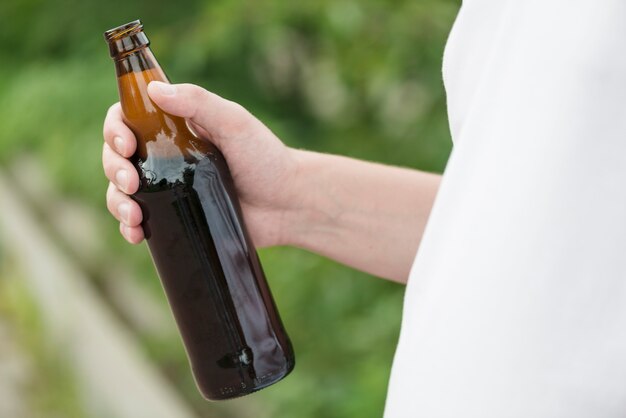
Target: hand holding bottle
{"points": [[288, 196], [263, 168]]}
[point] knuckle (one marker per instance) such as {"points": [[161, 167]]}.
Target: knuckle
{"points": [[238, 121], [108, 131], [106, 150], [237, 108], [197, 94], [194, 90], [110, 190], [114, 108], [122, 231], [109, 121], [111, 205], [108, 173], [239, 116], [105, 156]]}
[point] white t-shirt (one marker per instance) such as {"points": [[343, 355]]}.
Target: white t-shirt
{"points": [[516, 303]]}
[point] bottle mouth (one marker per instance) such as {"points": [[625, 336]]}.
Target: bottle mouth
{"points": [[126, 39], [123, 30]]}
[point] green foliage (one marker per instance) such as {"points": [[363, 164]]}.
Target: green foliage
{"points": [[355, 77]]}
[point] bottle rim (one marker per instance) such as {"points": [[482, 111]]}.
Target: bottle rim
{"points": [[126, 29]]}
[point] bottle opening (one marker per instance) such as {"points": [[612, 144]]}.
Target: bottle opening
{"points": [[126, 39], [123, 30]]}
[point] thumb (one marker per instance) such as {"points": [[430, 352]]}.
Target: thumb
{"points": [[217, 116]]}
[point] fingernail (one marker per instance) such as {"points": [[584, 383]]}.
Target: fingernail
{"points": [[164, 88], [122, 178], [124, 211], [119, 143]]}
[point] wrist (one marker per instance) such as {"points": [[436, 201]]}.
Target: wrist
{"points": [[308, 212]]}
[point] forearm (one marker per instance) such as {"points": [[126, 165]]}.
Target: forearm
{"points": [[365, 215]]}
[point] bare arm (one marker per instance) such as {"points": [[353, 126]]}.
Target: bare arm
{"points": [[365, 215]]}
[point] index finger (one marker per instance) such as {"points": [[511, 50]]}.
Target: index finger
{"points": [[117, 134]]}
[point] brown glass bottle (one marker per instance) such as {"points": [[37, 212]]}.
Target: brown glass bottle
{"points": [[210, 271]]}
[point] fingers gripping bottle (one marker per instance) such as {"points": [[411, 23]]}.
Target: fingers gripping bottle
{"points": [[209, 269]]}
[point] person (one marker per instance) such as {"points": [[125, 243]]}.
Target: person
{"points": [[516, 300]]}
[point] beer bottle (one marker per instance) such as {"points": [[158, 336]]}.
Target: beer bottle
{"points": [[192, 221]]}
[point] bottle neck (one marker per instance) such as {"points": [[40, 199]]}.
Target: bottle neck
{"points": [[138, 61], [159, 135], [134, 72]]}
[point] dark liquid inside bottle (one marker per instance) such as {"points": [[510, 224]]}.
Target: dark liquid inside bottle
{"points": [[194, 227], [211, 276]]}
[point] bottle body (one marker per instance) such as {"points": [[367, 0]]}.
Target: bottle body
{"points": [[214, 283], [233, 335]]}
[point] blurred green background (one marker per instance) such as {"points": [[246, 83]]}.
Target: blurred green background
{"points": [[356, 77]]}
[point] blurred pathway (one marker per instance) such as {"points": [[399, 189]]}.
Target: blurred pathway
{"points": [[15, 374], [114, 376]]}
